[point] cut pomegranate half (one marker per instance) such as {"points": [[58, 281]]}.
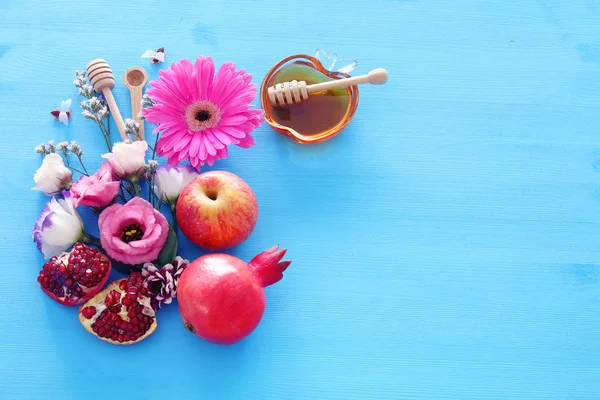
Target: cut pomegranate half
{"points": [[121, 314], [74, 277]]}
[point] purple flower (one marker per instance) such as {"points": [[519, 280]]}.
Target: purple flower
{"points": [[58, 227], [162, 283]]}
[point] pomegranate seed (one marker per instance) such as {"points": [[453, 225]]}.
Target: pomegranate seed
{"points": [[89, 312]]}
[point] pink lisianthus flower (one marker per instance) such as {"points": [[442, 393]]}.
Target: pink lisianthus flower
{"points": [[133, 233], [200, 113], [98, 190]]}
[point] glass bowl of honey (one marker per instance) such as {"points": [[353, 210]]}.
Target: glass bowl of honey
{"points": [[321, 116]]}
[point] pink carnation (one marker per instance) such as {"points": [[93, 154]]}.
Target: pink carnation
{"points": [[133, 233], [98, 190]]}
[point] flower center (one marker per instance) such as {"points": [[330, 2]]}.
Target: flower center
{"points": [[202, 115], [156, 286], [132, 233]]}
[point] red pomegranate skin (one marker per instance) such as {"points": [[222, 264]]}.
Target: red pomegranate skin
{"points": [[221, 298]]}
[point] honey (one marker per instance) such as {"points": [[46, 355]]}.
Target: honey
{"points": [[320, 117]]}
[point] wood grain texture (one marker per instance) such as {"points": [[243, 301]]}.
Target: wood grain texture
{"points": [[444, 246]]}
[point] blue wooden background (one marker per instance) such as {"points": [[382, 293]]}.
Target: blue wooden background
{"points": [[445, 246]]}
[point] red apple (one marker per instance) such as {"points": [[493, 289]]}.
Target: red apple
{"points": [[217, 210]]}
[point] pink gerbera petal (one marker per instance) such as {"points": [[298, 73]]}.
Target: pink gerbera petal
{"points": [[195, 145], [246, 142]]}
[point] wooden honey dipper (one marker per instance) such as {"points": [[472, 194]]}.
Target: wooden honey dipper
{"points": [[287, 93], [103, 80]]}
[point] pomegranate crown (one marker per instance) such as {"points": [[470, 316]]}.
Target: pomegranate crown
{"points": [[268, 266]]}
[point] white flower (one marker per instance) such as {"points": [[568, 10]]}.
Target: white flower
{"points": [[170, 181], [88, 115], [75, 148], [52, 177], [86, 90], [128, 160], [58, 227], [147, 101], [103, 113], [132, 127], [62, 146]]}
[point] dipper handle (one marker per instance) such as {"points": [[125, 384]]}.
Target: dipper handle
{"points": [[378, 76], [287, 93], [115, 112]]}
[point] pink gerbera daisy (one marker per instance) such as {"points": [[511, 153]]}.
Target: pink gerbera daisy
{"points": [[200, 113]]}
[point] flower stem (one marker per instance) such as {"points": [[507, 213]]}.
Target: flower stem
{"points": [[106, 134], [134, 182], [128, 191], [174, 214], [122, 192], [151, 191], [76, 170], [90, 239], [81, 162], [155, 144], [108, 124]]}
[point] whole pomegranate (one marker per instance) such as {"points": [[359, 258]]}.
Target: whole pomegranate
{"points": [[221, 298], [73, 277], [121, 313]]}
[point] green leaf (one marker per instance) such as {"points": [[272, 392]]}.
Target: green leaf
{"points": [[169, 251], [125, 269]]}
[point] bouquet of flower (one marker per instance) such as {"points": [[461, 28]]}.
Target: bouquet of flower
{"points": [[197, 114]]}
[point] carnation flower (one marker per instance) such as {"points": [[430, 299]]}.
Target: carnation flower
{"points": [[200, 113], [162, 283]]}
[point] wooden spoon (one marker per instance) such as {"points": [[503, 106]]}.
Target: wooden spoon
{"points": [[135, 79]]}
